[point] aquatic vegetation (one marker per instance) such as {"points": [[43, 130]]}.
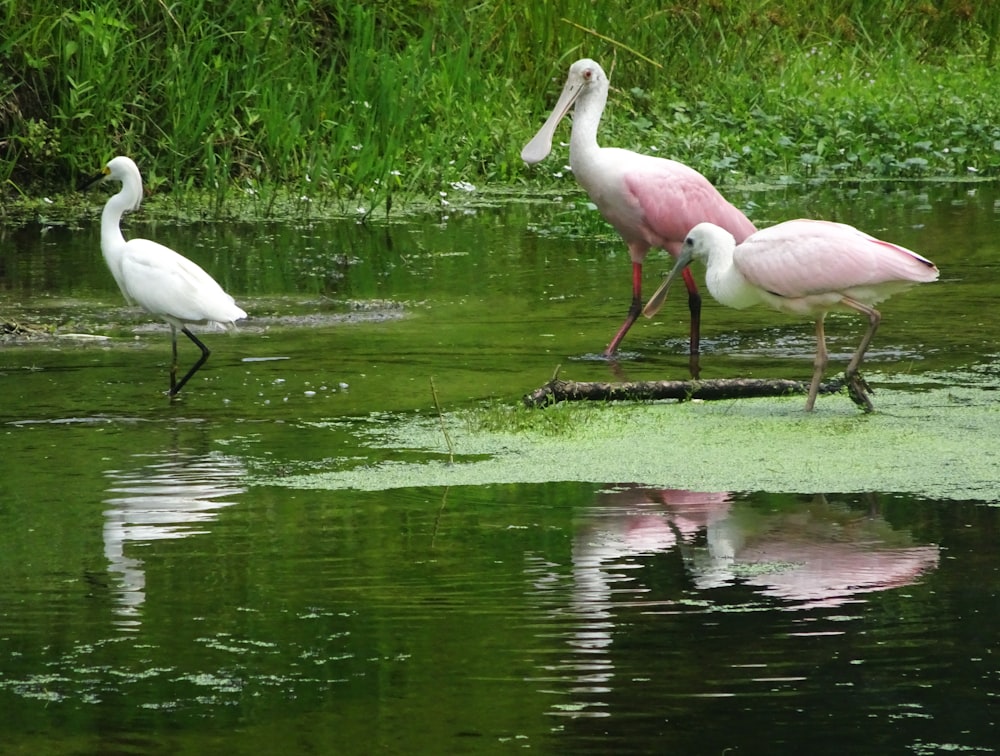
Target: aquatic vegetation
{"points": [[739, 445], [499, 417]]}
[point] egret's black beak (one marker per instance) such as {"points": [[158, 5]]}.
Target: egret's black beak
{"points": [[93, 181]]}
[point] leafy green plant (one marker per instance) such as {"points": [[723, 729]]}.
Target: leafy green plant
{"points": [[358, 107]]}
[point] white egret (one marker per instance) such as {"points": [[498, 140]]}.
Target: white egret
{"points": [[156, 278]]}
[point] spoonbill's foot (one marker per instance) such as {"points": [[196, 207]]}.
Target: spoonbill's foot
{"points": [[859, 390], [694, 365]]}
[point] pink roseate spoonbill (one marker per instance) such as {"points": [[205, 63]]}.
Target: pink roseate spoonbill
{"points": [[159, 280], [650, 201], [804, 267]]}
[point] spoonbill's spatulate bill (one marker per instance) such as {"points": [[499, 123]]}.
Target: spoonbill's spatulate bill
{"points": [[806, 268], [159, 280], [651, 201]]}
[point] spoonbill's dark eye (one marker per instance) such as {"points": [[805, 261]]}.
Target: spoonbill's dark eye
{"points": [[588, 74]]}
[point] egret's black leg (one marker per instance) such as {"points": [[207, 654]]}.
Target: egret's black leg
{"points": [[173, 364], [175, 388]]}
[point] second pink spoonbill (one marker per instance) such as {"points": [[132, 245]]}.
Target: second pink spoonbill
{"points": [[651, 201], [804, 267]]}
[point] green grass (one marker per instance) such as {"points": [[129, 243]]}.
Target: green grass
{"points": [[497, 417], [345, 107]]}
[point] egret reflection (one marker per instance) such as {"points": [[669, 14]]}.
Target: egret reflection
{"points": [[169, 495]]}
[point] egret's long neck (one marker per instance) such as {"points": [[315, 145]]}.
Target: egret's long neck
{"points": [[112, 240], [111, 232]]}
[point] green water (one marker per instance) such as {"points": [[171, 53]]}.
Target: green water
{"points": [[171, 585]]}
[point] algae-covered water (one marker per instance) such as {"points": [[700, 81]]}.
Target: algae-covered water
{"points": [[347, 536]]}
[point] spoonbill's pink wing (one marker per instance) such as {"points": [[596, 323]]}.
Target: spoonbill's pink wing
{"points": [[804, 257]]}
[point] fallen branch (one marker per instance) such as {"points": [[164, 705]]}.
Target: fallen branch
{"points": [[723, 388]]}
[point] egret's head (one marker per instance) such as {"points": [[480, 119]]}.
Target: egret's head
{"points": [[122, 169]]}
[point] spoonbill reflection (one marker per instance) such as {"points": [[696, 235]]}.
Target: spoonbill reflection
{"points": [[661, 561], [159, 280], [819, 552], [650, 201], [804, 267]]}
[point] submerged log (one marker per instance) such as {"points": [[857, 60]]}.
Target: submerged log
{"points": [[722, 388]]}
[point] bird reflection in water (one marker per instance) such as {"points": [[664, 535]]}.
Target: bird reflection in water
{"points": [[818, 554], [171, 495]]}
